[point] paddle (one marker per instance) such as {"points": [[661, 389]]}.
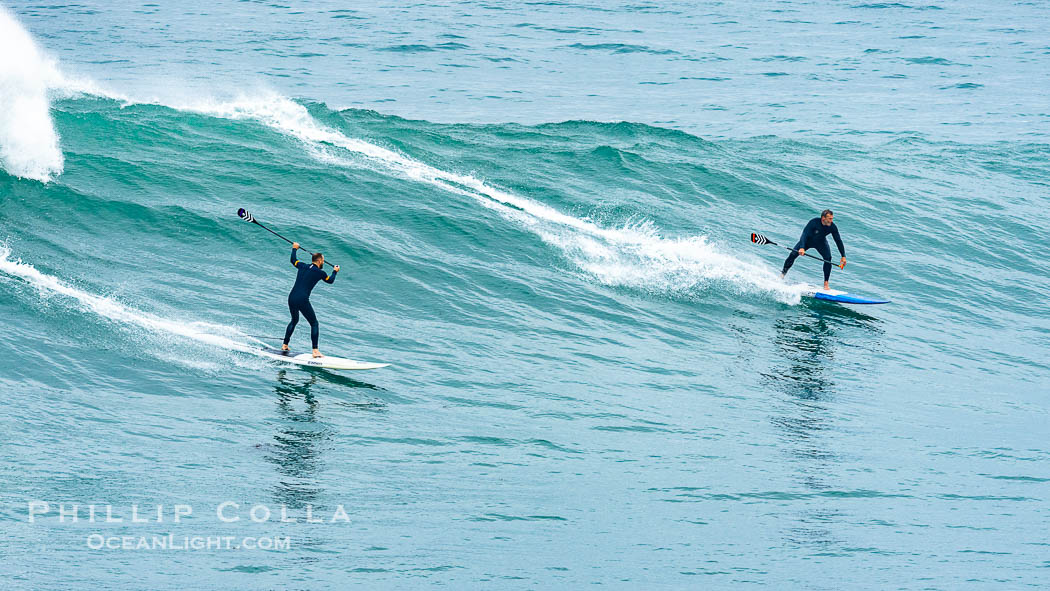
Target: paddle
{"points": [[760, 239], [244, 215]]}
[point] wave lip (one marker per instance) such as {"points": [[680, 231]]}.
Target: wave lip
{"points": [[634, 255], [28, 141]]}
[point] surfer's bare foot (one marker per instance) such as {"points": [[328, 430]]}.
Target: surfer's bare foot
{"points": [[284, 347], [826, 285], [317, 353]]}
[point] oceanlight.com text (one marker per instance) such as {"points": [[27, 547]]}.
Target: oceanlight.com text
{"points": [[171, 542]]}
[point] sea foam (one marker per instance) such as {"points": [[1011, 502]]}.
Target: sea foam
{"points": [[28, 141]]}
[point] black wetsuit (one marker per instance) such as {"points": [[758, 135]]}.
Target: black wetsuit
{"points": [[815, 235], [299, 298]]}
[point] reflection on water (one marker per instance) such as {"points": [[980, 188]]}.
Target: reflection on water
{"points": [[803, 345], [297, 447], [807, 347], [297, 451]]}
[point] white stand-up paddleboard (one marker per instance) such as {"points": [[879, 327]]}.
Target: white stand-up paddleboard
{"points": [[307, 359], [834, 295]]}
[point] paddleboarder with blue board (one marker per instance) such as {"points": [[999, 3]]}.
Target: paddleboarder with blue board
{"points": [[815, 235]]}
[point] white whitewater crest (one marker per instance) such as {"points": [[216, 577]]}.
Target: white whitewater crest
{"points": [[634, 256], [28, 141], [215, 335]]}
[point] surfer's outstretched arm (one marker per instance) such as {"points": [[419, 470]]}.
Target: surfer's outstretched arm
{"points": [[331, 278], [295, 259], [841, 247], [838, 240]]}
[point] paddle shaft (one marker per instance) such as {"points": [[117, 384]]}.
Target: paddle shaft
{"points": [[807, 254], [256, 222], [789, 249]]}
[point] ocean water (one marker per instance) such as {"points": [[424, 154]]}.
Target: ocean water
{"points": [[542, 212]]}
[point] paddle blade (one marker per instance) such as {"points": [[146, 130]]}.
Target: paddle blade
{"points": [[760, 239], [244, 215]]}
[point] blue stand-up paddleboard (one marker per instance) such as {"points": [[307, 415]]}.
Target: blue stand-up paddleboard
{"points": [[841, 297]]}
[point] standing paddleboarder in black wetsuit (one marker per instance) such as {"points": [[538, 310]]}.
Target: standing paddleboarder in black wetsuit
{"points": [[299, 298], [815, 235]]}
